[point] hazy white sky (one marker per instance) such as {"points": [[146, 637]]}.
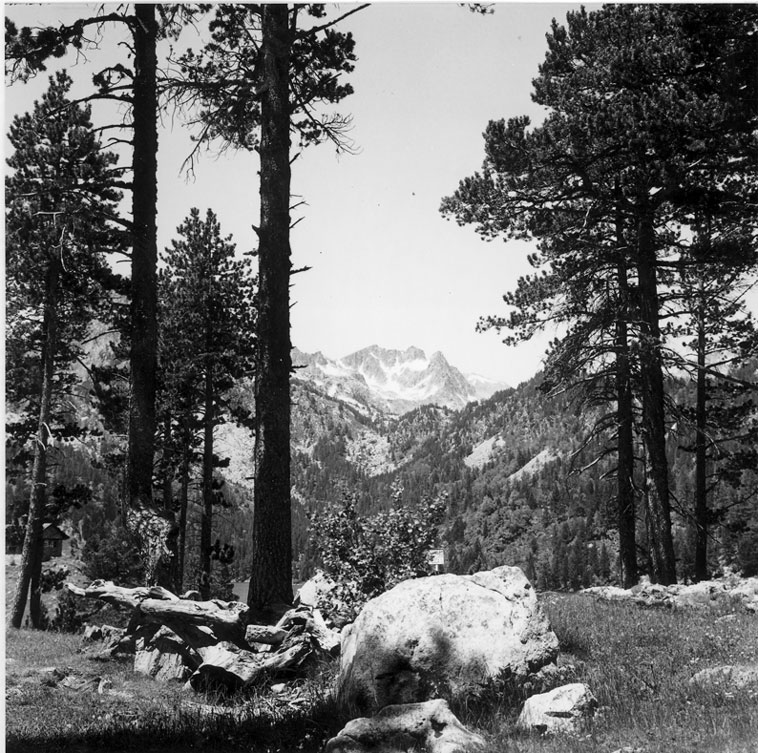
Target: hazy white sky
{"points": [[387, 268]]}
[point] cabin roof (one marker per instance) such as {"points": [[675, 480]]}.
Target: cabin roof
{"points": [[52, 532]]}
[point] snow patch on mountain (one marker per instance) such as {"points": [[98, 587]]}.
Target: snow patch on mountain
{"points": [[392, 381], [484, 387]]}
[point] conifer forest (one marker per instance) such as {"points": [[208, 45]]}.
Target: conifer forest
{"points": [[154, 410]]}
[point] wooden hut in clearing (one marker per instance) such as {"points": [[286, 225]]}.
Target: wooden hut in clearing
{"points": [[52, 541]]}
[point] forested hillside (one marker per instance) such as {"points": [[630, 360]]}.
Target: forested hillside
{"points": [[538, 497]]}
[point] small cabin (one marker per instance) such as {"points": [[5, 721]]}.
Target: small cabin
{"points": [[52, 541]]}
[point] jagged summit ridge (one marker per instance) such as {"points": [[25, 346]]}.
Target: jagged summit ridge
{"points": [[393, 381]]}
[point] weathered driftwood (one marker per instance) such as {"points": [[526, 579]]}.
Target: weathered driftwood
{"points": [[199, 623], [212, 638], [225, 620], [267, 634], [121, 597], [231, 668]]}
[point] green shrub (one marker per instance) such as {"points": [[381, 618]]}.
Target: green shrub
{"points": [[366, 556], [112, 555], [69, 617]]}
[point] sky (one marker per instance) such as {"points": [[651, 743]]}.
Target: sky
{"points": [[387, 268]]}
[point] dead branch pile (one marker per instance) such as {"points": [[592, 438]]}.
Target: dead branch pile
{"points": [[211, 643]]}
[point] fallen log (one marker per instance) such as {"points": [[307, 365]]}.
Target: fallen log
{"points": [[119, 596], [200, 623], [231, 668]]}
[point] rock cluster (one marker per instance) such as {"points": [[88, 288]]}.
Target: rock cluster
{"points": [[728, 591], [412, 649]]}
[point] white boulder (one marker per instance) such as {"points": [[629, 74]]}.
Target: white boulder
{"points": [[566, 709], [428, 727], [443, 636]]}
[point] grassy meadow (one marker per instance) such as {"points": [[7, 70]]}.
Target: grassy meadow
{"points": [[637, 662]]}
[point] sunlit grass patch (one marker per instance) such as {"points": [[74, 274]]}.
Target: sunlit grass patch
{"points": [[638, 663]]}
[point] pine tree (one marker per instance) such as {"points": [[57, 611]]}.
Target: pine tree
{"points": [[59, 227], [263, 77], [208, 344], [714, 283], [638, 96], [28, 51]]}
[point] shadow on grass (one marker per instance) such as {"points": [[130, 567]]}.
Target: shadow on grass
{"points": [[231, 729]]}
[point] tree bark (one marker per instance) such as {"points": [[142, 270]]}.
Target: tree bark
{"points": [[207, 519], [625, 442], [653, 407], [31, 553], [701, 453], [271, 577], [142, 518], [183, 503]]}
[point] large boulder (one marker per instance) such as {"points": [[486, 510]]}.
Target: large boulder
{"points": [[428, 727], [567, 709], [444, 636]]}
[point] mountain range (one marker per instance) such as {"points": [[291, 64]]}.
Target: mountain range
{"points": [[380, 380], [379, 420]]}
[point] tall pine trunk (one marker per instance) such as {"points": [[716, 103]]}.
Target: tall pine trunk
{"points": [[625, 442], [206, 525], [661, 544], [271, 576], [31, 554], [701, 452], [154, 531], [184, 481]]}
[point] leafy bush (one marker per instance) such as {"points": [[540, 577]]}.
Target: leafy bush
{"points": [[369, 555]]}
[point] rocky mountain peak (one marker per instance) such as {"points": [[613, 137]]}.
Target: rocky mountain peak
{"points": [[391, 381]]}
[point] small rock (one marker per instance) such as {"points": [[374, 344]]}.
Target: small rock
{"points": [[279, 687], [313, 590], [81, 682], [565, 709], [737, 677], [92, 633], [428, 727]]}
